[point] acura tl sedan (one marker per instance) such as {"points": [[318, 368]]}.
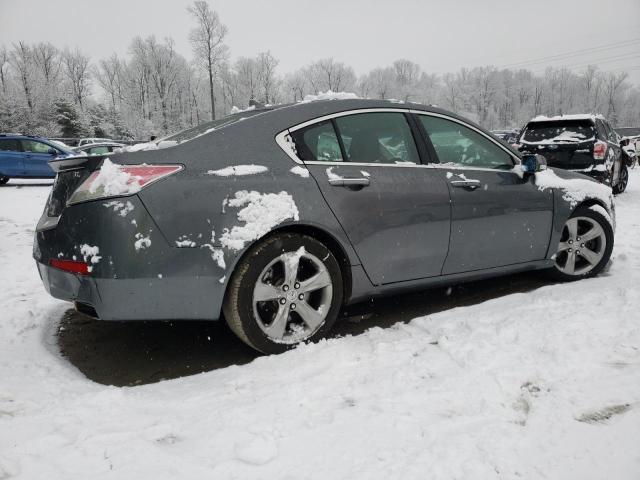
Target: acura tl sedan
{"points": [[275, 218]]}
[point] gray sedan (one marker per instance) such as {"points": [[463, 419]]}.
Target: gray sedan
{"points": [[276, 218]]}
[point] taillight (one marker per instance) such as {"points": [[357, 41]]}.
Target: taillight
{"points": [[70, 266], [599, 150], [113, 180]]}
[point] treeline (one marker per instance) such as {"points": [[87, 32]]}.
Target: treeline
{"points": [[155, 90]]}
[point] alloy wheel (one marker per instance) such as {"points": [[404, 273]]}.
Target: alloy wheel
{"points": [[582, 246], [292, 297]]}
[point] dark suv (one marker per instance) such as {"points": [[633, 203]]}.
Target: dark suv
{"points": [[581, 143]]}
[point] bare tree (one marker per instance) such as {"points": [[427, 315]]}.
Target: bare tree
{"points": [[21, 59], [109, 75], [614, 85], [47, 58], [207, 42], [164, 68], [267, 64], [76, 68], [327, 74], [4, 59], [247, 76]]}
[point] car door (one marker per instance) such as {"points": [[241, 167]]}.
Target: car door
{"points": [[36, 157], [394, 210], [499, 216], [11, 163]]}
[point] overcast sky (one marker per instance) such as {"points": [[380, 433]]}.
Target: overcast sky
{"points": [[441, 36]]}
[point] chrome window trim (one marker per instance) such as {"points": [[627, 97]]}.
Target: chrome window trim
{"points": [[283, 139]]}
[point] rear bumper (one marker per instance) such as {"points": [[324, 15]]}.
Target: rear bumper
{"points": [[183, 298]]}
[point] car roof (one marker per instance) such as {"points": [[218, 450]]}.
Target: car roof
{"points": [[101, 144], [569, 117]]}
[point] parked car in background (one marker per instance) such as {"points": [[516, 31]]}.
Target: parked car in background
{"points": [[509, 136], [580, 143], [103, 148], [276, 221], [87, 141], [23, 156]]}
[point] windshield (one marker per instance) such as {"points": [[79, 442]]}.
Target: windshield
{"points": [[191, 133], [573, 131]]}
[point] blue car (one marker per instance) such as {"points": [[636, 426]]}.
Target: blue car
{"points": [[23, 156]]}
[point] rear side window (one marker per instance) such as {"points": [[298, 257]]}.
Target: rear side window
{"points": [[318, 142], [9, 145], [456, 144], [566, 131], [380, 137]]}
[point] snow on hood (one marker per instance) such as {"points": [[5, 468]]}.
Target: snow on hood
{"points": [[574, 190], [114, 181], [238, 170], [329, 95], [261, 212]]}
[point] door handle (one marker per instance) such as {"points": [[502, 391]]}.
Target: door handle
{"points": [[468, 184], [349, 182]]}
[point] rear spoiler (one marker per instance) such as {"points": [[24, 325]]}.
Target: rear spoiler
{"points": [[79, 162]]}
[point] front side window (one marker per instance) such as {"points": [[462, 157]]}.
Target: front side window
{"points": [[33, 146], [377, 137], [459, 145], [318, 142], [9, 145]]}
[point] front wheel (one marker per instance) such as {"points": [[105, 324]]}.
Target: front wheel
{"points": [[286, 290], [585, 245]]}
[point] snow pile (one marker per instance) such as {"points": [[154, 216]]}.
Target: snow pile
{"points": [[114, 180], [185, 243], [329, 95], [573, 116], [537, 385], [238, 170], [90, 253], [301, 171], [260, 213], [566, 136], [139, 147], [235, 109], [333, 176], [141, 242], [121, 208], [575, 190]]}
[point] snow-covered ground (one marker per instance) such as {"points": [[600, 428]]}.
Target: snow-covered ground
{"points": [[527, 386]]}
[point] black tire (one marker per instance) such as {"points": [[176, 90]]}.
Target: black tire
{"points": [[238, 306], [606, 226], [4, 180], [623, 181]]}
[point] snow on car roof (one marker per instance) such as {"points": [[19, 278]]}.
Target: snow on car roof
{"points": [[572, 116]]}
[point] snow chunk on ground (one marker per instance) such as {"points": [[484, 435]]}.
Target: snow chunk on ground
{"points": [[114, 181], [329, 95], [238, 170], [575, 190], [298, 170], [261, 212], [142, 242], [333, 176]]}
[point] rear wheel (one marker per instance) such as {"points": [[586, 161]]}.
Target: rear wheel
{"points": [[623, 180], [286, 290], [4, 180], [585, 245]]}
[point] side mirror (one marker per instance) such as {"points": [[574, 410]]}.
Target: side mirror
{"points": [[532, 163], [52, 151]]}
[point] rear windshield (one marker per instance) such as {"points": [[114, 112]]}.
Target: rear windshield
{"points": [[203, 128], [567, 131]]}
